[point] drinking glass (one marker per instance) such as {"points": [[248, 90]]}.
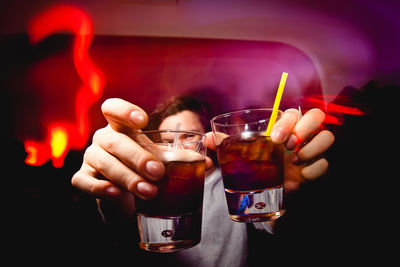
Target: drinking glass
{"points": [[172, 220], [251, 165]]}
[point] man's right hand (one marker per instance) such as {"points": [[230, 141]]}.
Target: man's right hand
{"points": [[115, 167]]}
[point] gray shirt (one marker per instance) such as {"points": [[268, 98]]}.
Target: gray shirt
{"points": [[223, 241]]}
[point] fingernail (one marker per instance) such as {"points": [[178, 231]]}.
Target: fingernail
{"points": [[113, 191], [136, 117], [155, 169], [295, 159], [292, 142], [277, 135], [147, 190]]}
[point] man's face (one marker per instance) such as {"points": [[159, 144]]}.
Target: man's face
{"points": [[189, 121]]}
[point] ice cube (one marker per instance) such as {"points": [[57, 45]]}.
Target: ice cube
{"points": [[248, 136], [255, 150]]}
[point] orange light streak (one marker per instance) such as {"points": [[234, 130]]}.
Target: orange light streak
{"points": [[62, 136]]}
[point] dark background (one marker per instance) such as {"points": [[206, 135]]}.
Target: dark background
{"points": [[346, 53]]}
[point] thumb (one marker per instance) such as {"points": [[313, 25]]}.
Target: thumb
{"points": [[124, 117], [210, 141]]}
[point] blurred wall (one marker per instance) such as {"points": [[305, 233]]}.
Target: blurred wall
{"points": [[350, 42], [333, 44]]}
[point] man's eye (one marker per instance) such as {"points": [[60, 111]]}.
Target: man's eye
{"points": [[191, 137]]}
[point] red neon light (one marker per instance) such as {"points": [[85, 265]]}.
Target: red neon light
{"points": [[62, 136], [334, 112]]}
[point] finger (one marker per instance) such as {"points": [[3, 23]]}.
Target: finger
{"points": [[93, 186], [129, 152], [209, 163], [211, 141], [118, 173], [283, 127], [317, 146], [315, 170], [307, 126], [124, 116]]}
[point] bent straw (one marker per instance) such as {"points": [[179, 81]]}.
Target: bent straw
{"points": [[275, 108]]}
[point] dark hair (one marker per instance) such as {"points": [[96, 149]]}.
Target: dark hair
{"points": [[178, 104]]}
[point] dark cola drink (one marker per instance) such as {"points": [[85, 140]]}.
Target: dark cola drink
{"points": [[252, 171], [180, 190], [172, 220]]}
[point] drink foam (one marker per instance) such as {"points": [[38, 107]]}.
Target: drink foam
{"points": [[185, 155]]}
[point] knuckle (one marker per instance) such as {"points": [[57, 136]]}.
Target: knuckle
{"points": [[308, 152], [310, 123], [139, 159], [330, 137], [302, 154], [326, 163], [94, 189], [315, 170], [291, 111], [131, 182], [109, 142], [317, 111], [89, 153], [98, 135], [322, 165], [106, 104], [305, 173], [287, 120], [100, 163], [76, 178], [318, 114], [131, 186], [95, 159], [105, 138]]}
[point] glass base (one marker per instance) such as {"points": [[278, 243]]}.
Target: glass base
{"points": [[255, 206], [257, 217], [168, 247], [169, 233]]}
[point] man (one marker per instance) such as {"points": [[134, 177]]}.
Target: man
{"points": [[115, 169]]}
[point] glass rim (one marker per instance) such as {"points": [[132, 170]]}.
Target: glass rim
{"points": [[203, 136], [228, 114]]}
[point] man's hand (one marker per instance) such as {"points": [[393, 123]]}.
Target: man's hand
{"points": [[115, 167], [302, 136]]}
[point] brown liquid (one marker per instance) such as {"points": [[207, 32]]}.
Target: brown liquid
{"points": [[253, 163], [180, 190]]}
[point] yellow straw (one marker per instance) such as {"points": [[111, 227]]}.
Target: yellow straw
{"points": [[275, 109]]}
